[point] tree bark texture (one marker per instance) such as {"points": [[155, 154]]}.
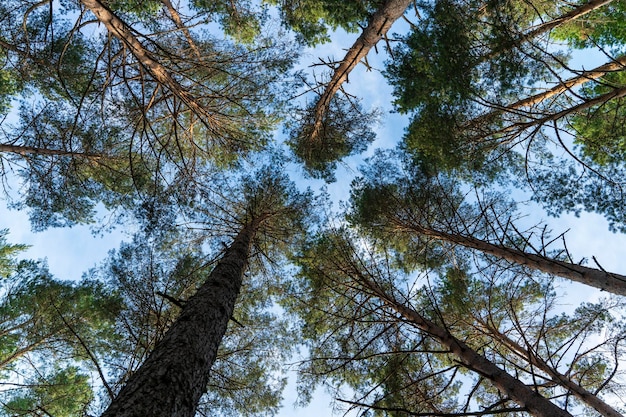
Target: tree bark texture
{"points": [[175, 375], [607, 281], [515, 389], [377, 27]]}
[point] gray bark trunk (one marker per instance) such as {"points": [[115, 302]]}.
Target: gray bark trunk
{"points": [[378, 26], [175, 375]]}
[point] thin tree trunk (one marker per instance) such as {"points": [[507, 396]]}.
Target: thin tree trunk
{"points": [[607, 281], [517, 391], [123, 32], [378, 26], [566, 18], [579, 392], [26, 349], [403, 411], [618, 64], [544, 27], [508, 133], [180, 25], [175, 375], [31, 150], [583, 77]]}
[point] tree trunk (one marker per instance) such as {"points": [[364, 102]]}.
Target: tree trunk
{"points": [[516, 390], [510, 132], [31, 150], [180, 25], [378, 26], [618, 64], [607, 281], [579, 392], [566, 18], [544, 27], [118, 28], [175, 375]]}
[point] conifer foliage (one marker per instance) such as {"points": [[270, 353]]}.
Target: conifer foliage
{"points": [[201, 130]]}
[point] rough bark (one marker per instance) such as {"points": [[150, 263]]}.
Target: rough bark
{"points": [[175, 375], [377, 27], [123, 32], [607, 281], [517, 391], [579, 392]]}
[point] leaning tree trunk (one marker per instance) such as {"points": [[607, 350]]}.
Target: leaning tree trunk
{"points": [[607, 281], [118, 28], [178, 21], [32, 150], [583, 76], [175, 375], [570, 16], [619, 64], [565, 381], [515, 389], [378, 26], [547, 26], [508, 133]]}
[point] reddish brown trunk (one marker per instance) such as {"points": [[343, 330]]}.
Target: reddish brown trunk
{"points": [[545, 27], [514, 129], [180, 25], [567, 17], [585, 76], [378, 26], [175, 375]]}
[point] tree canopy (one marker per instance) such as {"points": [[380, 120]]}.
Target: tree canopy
{"points": [[220, 137]]}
